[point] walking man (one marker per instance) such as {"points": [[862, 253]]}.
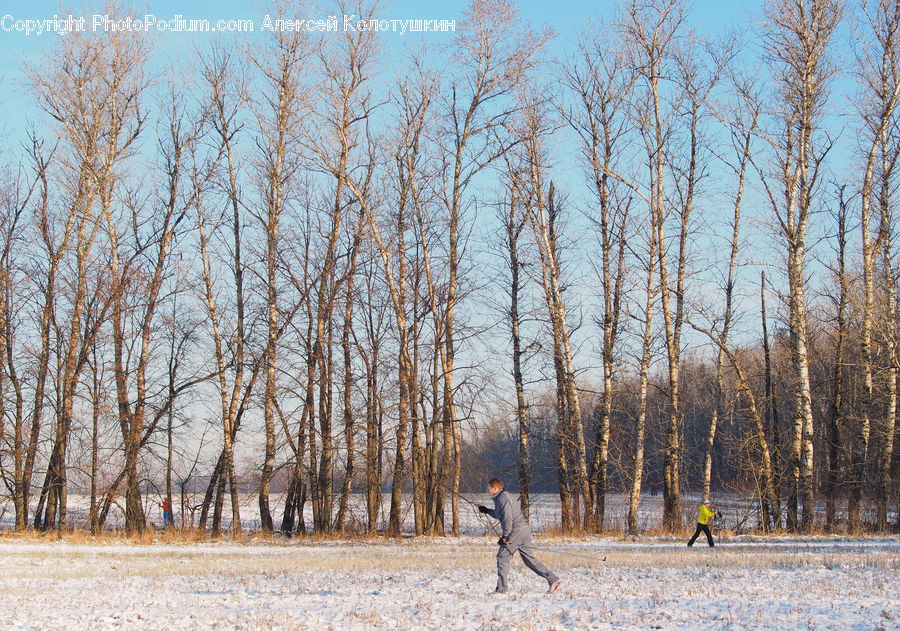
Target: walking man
{"points": [[706, 513], [515, 537]]}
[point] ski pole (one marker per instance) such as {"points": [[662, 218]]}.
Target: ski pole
{"points": [[477, 511], [572, 554]]}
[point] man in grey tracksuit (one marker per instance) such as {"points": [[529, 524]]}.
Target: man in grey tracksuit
{"points": [[515, 537]]}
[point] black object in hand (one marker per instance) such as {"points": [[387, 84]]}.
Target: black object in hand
{"points": [[502, 541], [483, 509]]}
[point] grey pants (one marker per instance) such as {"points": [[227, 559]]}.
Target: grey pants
{"points": [[520, 542]]}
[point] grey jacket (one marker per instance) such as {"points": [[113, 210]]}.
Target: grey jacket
{"points": [[507, 511]]}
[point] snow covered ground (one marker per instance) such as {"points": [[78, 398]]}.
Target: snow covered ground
{"points": [[744, 583]]}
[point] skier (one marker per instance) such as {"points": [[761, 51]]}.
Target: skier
{"points": [[515, 537], [167, 513], [703, 517]]}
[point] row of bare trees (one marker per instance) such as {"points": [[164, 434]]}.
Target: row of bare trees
{"points": [[272, 272], [660, 114]]}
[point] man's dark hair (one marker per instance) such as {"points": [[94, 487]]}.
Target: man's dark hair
{"points": [[496, 483]]}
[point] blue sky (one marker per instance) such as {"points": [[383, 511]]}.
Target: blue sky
{"points": [[565, 17]]}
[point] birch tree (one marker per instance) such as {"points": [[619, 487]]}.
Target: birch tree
{"points": [[514, 222], [16, 199], [742, 130], [652, 31], [797, 34], [878, 75], [601, 81], [279, 111], [544, 211], [492, 54], [92, 89], [650, 291]]}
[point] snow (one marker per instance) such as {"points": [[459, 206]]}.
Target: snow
{"points": [[743, 583]]}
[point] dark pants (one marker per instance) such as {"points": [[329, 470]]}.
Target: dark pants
{"points": [[705, 529]]}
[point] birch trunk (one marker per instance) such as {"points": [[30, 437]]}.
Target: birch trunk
{"points": [[634, 498], [836, 414], [878, 73], [743, 138], [514, 229], [280, 109], [771, 406], [797, 39]]}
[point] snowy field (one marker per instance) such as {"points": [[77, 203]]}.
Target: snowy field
{"points": [[743, 583]]}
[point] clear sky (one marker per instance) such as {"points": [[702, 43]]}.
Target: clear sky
{"points": [[566, 17]]}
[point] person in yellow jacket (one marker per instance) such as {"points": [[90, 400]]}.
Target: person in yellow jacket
{"points": [[706, 513]]}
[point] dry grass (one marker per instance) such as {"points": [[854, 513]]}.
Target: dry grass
{"points": [[153, 536], [92, 560], [723, 557], [557, 532], [83, 556], [148, 537], [189, 536]]}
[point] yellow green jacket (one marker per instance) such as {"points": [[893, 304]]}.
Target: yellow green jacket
{"points": [[705, 514]]}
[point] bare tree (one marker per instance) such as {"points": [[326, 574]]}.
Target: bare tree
{"points": [[652, 31], [878, 73], [766, 492], [225, 88], [742, 129], [493, 53], [797, 34], [414, 102], [514, 222], [771, 405], [544, 212], [341, 114], [91, 87], [602, 80], [279, 109], [15, 199], [175, 199], [646, 320], [884, 478], [346, 332], [836, 416]]}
